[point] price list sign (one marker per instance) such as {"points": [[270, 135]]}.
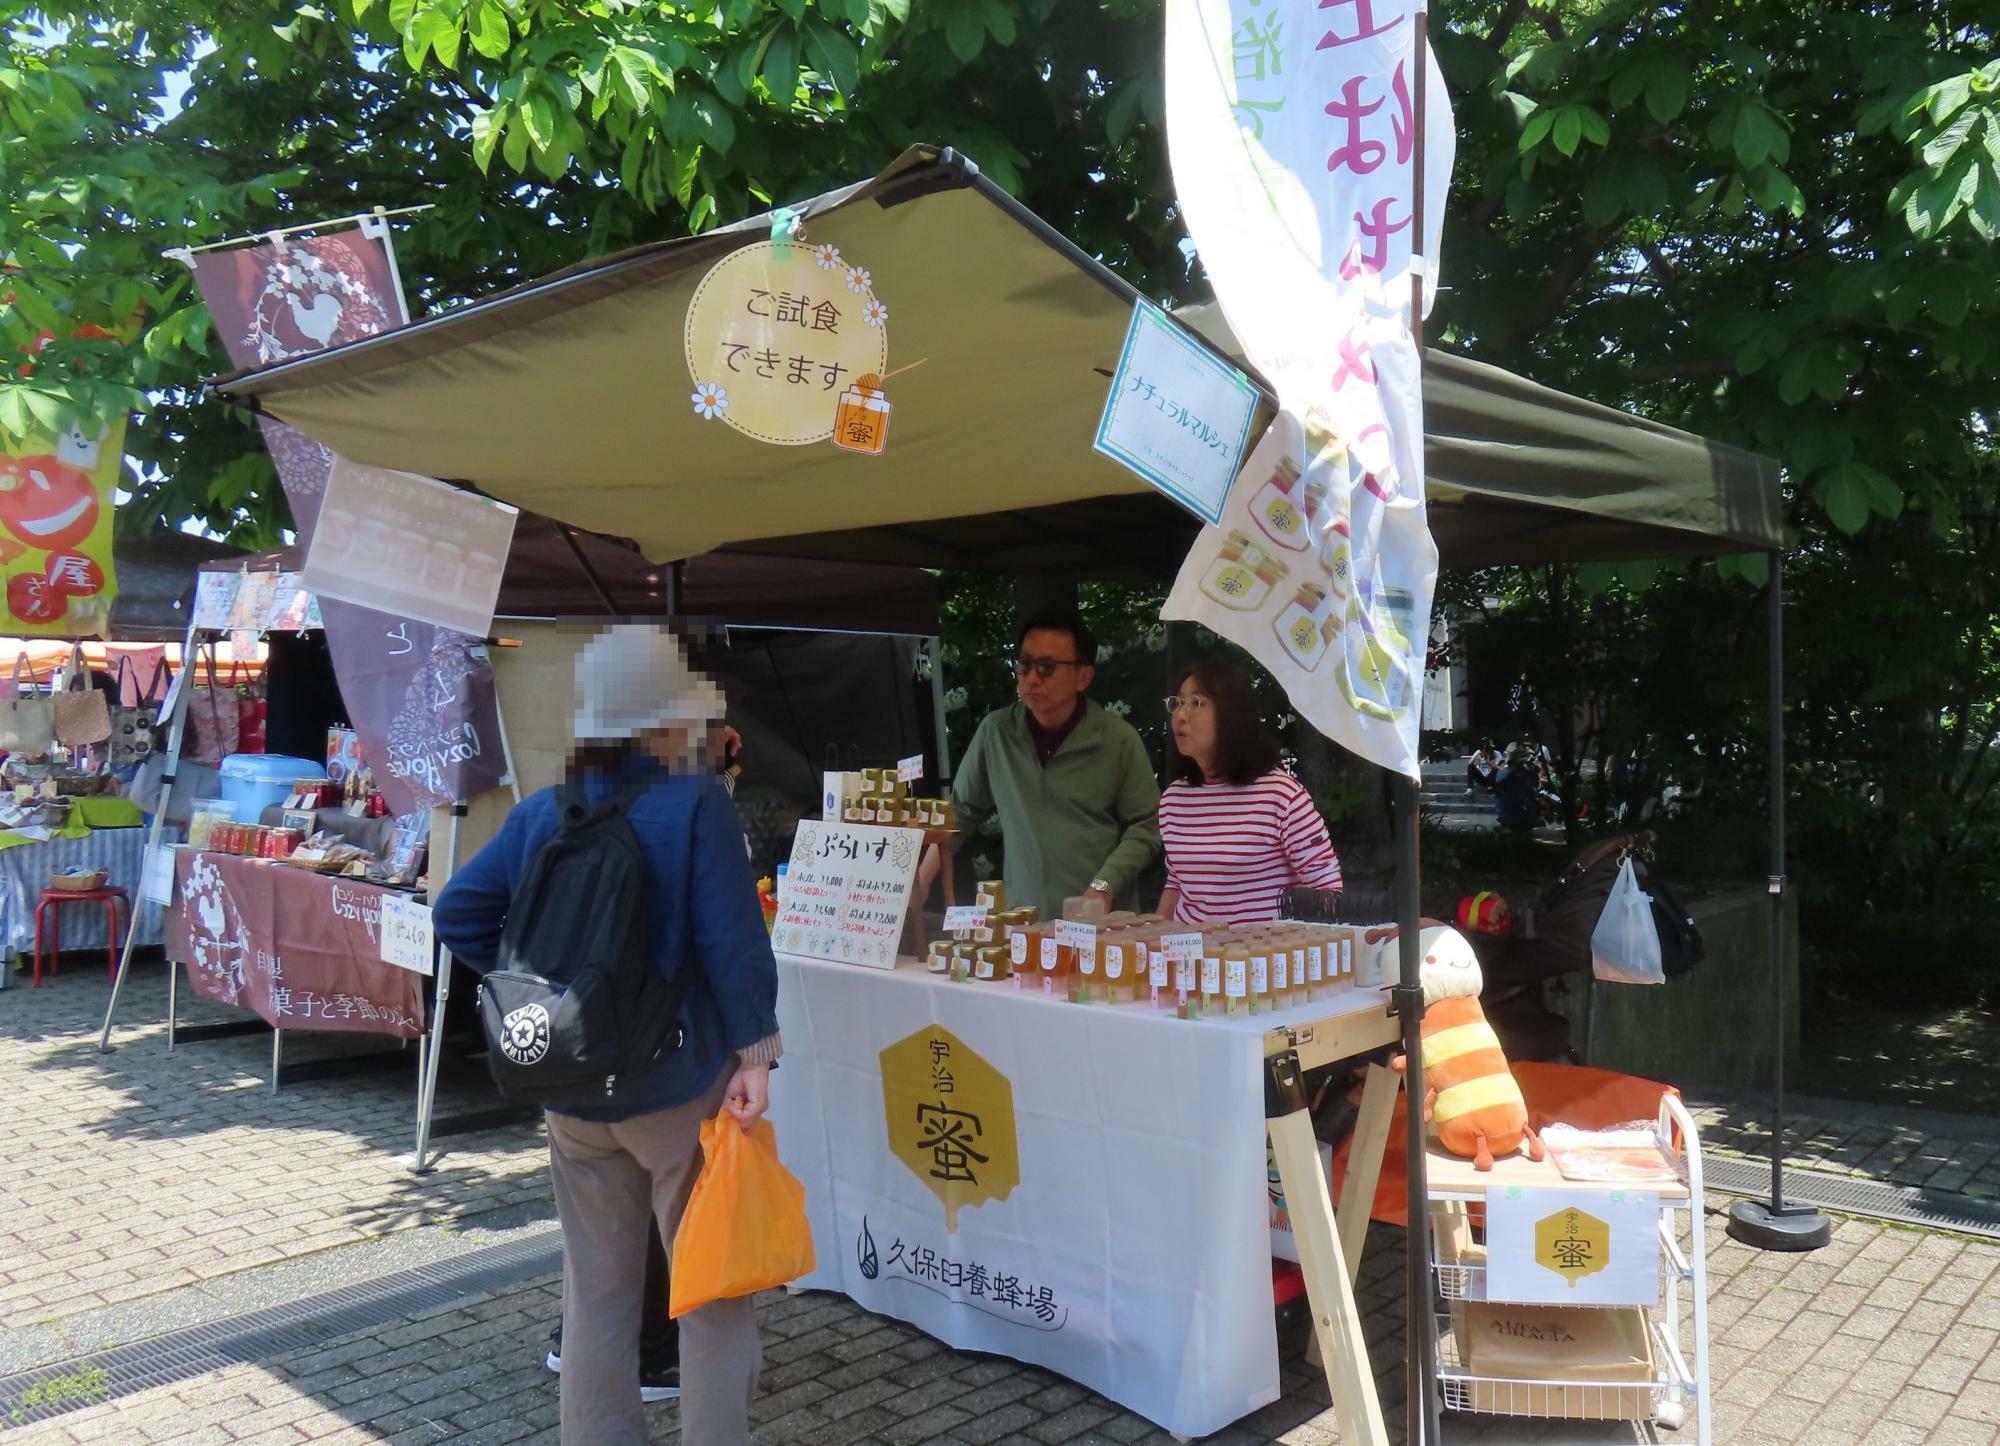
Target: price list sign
{"points": [[846, 892]]}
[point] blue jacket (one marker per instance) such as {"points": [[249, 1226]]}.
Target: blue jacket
{"points": [[706, 918]]}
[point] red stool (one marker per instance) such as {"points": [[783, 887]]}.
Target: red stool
{"points": [[51, 905]]}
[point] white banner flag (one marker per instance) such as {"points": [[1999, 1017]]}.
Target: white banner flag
{"points": [[1291, 125]]}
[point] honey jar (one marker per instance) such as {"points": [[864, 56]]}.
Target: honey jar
{"points": [[1299, 626], [861, 421], [1243, 574], [1279, 508]]}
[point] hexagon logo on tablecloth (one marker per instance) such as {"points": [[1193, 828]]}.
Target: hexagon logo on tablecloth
{"points": [[950, 1117]]}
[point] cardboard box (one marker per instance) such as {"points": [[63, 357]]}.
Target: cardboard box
{"points": [[1602, 1357]]}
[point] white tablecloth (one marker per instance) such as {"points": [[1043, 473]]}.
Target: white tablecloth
{"points": [[1133, 1256], [25, 870]]}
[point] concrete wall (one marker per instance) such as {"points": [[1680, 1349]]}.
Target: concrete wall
{"points": [[1711, 1029]]}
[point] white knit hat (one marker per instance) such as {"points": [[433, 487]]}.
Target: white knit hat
{"points": [[633, 677]]}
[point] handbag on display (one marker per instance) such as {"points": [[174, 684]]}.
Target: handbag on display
{"points": [[214, 717], [134, 727], [81, 713], [27, 724]]}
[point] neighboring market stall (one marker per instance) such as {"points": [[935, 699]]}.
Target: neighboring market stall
{"points": [[1128, 1222]]}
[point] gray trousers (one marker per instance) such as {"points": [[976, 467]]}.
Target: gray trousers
{"points": [[612, 1183]]}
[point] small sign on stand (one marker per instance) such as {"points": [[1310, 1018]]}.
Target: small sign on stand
{"points": [[406, 936], [846, 892], [1573, 1247]]}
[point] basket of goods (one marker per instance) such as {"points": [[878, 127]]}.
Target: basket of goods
{"points": [[80, 785], [78, 881]]}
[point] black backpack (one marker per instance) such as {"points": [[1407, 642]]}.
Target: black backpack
{"points": [[575, 1012]]}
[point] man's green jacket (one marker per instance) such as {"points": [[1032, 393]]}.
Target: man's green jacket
{"points": [[1092, 813]]}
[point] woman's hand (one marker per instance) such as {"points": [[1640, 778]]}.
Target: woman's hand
{"points": [[749, 1094]]}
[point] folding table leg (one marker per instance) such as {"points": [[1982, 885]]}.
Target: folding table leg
{"points": [[1336, 1319], [1364, 1162]]}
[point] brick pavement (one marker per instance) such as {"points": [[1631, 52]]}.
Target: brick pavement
{"points": [[147, 1176], [132, 1173]]}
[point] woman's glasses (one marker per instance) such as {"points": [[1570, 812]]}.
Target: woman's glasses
{"points": [[1177, 702]]}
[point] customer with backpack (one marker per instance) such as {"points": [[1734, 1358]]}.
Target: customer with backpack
{"points": [[629, 988]]}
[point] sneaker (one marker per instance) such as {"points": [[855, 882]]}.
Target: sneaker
{"points": [[656, 1383], [659, 1383]]}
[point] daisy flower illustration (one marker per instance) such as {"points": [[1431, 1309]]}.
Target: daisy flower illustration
{"points": [[710, 401], [826, 256], [858, 280], [875, 313]]}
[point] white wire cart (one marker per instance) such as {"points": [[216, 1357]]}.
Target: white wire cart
{"points": [[1662, 1388]]}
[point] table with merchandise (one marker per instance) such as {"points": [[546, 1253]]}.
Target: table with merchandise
{"points": [[1048, 1141]]}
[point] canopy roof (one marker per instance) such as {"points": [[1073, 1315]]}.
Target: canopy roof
{"points": [[569, 397], [549, 574]]}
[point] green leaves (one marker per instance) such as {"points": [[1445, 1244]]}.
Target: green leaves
{"points": [[1662, 78], [1754, 131], [1955, 131], [1566, 126], [1853, 491]]}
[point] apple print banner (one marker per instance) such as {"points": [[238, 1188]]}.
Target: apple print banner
{"points": [[420, 697], [56, 500], [1291, 125]]}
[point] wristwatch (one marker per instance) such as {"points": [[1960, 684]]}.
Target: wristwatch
{"points": [[1101, 886]]}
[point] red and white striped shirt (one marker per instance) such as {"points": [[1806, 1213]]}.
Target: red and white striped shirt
{"points": [[1233, 849]]}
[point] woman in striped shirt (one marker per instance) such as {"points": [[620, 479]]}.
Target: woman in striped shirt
{"points": [[1239, 829]]}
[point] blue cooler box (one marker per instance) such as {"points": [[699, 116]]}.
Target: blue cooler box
{"points": [[253, 782]]}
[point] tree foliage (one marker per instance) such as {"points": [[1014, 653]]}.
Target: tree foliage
{"points": [[1769, 223]]}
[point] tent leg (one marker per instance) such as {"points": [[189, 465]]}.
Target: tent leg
{"points": [[173, 1002], [1343, 1348], [277, 1055], [175, 733], [1774, 1225], [1421, 1339], [427, 1086], [937, 711]]}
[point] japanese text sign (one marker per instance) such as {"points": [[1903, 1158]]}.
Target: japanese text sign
{"points": [[846, 892], [405, 934], [409, 546], [1573, 1247], [1176, 415], [964, 918], [778, 337]]}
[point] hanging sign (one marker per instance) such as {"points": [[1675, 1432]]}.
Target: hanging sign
{"points": [[1573, 1247], [1292, 131], [215, 600], [410, 546], [787, 343], [1176, 415], [56, 500], [846, 892]]}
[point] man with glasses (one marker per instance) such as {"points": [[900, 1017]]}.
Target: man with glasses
{"points": [[1072, 785]]}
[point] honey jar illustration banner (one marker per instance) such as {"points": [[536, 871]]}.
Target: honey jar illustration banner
{"points": [[787, 343]]}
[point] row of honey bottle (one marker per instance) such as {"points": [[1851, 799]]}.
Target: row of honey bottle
{"points": [[1242, 969]]}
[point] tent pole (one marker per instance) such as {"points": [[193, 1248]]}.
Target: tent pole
{"points": [[1774, 1225], [937, 712], [1420, 1339], [427, 1085], [174, 734], [596, 583], [1422, 1427]]}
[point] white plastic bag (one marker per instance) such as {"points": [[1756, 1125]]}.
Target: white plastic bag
{"points": [[1625, 945]]}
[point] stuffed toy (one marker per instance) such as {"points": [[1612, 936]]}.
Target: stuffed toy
{"points": [[1470, 1095]]}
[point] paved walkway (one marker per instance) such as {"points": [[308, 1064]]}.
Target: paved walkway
{"points": [[153, 1192]]}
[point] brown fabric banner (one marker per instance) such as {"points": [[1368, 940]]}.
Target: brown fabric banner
{"points": [[420, 697], [299, 949]]}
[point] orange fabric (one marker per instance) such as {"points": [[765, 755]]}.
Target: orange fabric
{"points": [[745, 1226], [1590, 1099]]}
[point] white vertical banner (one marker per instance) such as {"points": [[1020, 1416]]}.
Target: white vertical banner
{"points": [[1291, 126]]}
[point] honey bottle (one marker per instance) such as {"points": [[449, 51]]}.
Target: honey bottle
{"points": [[1236, 978]]}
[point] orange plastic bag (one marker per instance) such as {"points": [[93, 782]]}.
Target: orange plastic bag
{"points": [[745, 1228]]}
